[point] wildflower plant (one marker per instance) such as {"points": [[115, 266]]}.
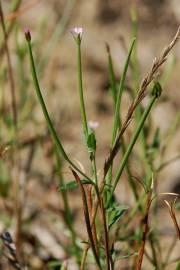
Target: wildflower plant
{"points": [[102, 212]]}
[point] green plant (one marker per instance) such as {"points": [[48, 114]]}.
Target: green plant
{"points": [[99, 192]]}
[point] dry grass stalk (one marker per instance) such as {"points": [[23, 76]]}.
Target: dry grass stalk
{"points": [[145, 232], [106, 236], [87, 219], [170, 207], [158, 62], [90, 206]]}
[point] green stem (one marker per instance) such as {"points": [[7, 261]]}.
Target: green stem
{"points": [[114, 95], [80, 88], [111, 76], [120, 91], [94, 168], [117, 95], [131, 144], [56, 140], [82, 106]]}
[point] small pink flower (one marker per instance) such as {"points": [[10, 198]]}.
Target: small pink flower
{"points": [[77, 32], [93, 124]]}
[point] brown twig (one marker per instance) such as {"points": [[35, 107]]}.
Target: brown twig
{"points": [[87, 218], [145, 232], [170, 207], [106, 236], [90, 206]]}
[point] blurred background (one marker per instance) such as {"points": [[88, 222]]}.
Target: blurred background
{"points": [[42, 234]]}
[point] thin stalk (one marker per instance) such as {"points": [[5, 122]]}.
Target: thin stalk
{"points": [[56, 140], [111, 76], [118, 95], [120, 91], [94, 168], [132, 143], [80, 88], [170, 250], [82, 106], [68, 214], [92, 152], [106, 236], [145, 232], [114, 94], [90, 206], [84, 256], [87, 219]]}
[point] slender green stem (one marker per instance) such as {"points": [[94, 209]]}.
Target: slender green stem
{"points": [[56, 140], [131, 144], [120, 91], [82, 106], [80, 88], [112, 76], [117, 95], [114, 95], [94, 168]]}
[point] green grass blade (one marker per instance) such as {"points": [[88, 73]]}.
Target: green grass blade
{"points": [[155, 94], [111, 76], [120, 91]]}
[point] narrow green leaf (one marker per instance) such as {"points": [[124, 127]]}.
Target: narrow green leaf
{"points": [[111, 76], [115, 213], [120, 91], [156, 139], [91, 141]]}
